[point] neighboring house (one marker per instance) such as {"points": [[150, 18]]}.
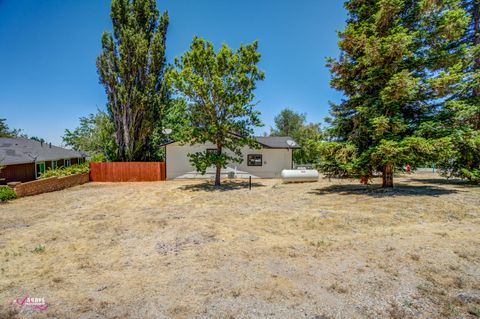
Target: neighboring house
{"points": [[274, 155], [25, 160]]}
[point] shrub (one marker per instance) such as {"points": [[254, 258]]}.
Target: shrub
{"points": [[6, 193], [67, 171]]}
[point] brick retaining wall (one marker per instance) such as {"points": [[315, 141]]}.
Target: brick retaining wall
{"points": [[50, 184]]}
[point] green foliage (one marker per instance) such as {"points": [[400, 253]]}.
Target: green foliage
{"points": [[459, 155], [175, 121], [337, 159], [288, 123], [291, 123], [6, 193], [218, 88], [131, 68], [203, 160], [342, 159], [308, 136], [391, 71], [94, 136], [38, 139], [457, 126], [39, 249], [66, 171], [6, 131]]}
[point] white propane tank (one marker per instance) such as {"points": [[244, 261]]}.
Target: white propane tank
{"points": [[299, 175]]}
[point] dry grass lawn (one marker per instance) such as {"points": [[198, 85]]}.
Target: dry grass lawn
{"points": [[181, 249]]}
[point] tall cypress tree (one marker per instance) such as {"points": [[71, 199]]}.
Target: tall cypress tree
{"points": [[384, 71], [131, 67]]}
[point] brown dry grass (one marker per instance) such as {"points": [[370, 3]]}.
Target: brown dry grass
{"points": [[181, 249]]}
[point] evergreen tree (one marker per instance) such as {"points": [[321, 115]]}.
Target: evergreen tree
{"points": [[390, 53], [131, 67], [461, 114], [218, 87], [457, 126]]}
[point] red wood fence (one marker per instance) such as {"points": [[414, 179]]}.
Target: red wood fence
{"points": [[127, 172]]}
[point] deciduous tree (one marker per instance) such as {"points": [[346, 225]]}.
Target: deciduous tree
{"points": [[288, 123], [218, 87], [293, 124], [95, 136]]}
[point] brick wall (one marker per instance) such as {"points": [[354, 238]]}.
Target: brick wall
{"points": [[50, 184]]}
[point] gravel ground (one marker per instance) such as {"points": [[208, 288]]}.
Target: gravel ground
{"points": [[182, 249]]}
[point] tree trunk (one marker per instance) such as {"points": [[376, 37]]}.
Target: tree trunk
{"points": [[364, 180], [387, 176], [218, 167]]}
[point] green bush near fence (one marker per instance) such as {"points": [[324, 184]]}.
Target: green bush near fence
{"points": [[6, 193], [67, 171]]}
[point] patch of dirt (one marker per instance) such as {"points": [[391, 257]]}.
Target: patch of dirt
{"points": [[185, 249]]}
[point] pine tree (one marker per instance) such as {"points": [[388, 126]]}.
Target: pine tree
{"points": [[457, 126], [131, 67], [389, 53]]}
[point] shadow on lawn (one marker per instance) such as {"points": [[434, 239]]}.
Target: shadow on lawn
{"points": [[377, 191], [444, 181], [226, 186]]}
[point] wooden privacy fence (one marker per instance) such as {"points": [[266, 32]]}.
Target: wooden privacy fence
{"points": [[127, 172]]}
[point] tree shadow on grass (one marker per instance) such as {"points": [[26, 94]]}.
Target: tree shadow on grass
{"points": [[226, 186], [444, 181], [378, 192]]}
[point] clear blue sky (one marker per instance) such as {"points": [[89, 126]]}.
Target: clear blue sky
{"points": [[48, 48]]}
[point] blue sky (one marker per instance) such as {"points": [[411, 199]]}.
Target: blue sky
{"points": [[48, 48]]}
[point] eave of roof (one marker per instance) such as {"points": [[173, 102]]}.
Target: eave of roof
{"points": [[263, 144]]}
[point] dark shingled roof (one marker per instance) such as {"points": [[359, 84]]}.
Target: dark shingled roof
{"points": [[268, 142], [277, 141], [22, 150]]}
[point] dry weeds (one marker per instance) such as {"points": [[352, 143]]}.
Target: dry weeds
{"points": [[181, 249]]}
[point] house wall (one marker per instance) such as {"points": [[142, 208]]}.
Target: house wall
{"points": [[26, 172], [17, 173], [274, 161]]}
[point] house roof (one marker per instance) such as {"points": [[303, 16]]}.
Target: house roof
{"points": [[277, 141], [270, 142], [22, 150]]}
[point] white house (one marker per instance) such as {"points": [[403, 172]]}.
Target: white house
{"points": [[274, 155]]}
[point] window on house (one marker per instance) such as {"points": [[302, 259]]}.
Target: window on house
{"points": [[67, 163], [54, 164], [80, 160], [39, 169], [254, 160]]}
